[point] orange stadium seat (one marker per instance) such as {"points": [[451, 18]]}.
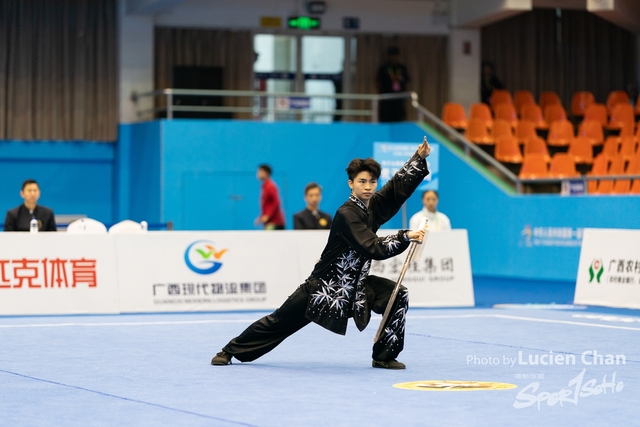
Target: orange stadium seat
{"points": [[522, 97], [500, 96], [580, 101], [616, 167], [638, 105], [611, 146], [600, 167], [547, 98], [635, 187], [478, 133], [616, 97], [508, 150], [622, 115], [502, 127], [622, 186], [633, 166], [533, 113], [525, 130], [537, 145], [591, 129], [627, 129], [533, 166], [506, 112], [581, 150], [597, 112], [553, 112], [628, 147], [563, 165], [454, 115], [482, 111], [560, 133]]}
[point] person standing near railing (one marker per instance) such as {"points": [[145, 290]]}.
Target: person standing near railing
{"points": [[392, 78], [19, 218]]}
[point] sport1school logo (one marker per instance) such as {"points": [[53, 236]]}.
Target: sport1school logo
{"points": [[203, 258], [595, 270]]}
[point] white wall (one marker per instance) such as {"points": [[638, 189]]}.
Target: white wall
{"points": [[464, 68], [392, 16], [135, 54], [477, 13]]}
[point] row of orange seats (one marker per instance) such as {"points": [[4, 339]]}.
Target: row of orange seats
{"points": [[563, 166], [560, 133], [580, 101], [616, 116], [507, 149], [622, 118], [617, 164]]}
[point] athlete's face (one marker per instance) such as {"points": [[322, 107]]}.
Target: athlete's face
{"points": [[363, 186]]}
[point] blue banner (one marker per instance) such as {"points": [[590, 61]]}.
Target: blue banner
{"points": [[392, 155]]}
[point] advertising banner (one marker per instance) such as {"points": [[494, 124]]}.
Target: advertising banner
{"points": [[57, 273], [206, 270], [609, 269], [392, 156], [439, 274]]}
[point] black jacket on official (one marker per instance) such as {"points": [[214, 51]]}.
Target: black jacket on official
{"points": [[19, 219], [307, 220]]}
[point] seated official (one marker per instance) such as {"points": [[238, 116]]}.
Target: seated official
{"points": [[312, 218], [19, 219], [437, 220]]}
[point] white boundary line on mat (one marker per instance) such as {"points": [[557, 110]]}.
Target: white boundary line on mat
{"points": [[175, 322], [527, 319], [376, 318]]}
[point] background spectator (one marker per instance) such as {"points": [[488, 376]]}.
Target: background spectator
{"points": [[311, 217], [19, 218], [437, 220], [271, 216], [392, 78]]}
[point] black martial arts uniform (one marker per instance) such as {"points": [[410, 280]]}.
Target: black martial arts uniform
{"points": [[340, 286], [307, 220], [19, 219]]}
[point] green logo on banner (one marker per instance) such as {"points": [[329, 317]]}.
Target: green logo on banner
{"points": [[595, 270]]}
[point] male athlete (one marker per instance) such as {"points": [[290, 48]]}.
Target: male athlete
{"points": [[340, 286]]}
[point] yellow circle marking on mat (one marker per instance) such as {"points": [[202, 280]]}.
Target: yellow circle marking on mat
{"points": [[450, 385]]}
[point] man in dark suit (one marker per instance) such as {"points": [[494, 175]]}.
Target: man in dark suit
{"points": [[19, 218], [311, 217], [392, 78]]}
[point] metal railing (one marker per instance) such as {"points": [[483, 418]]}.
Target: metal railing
{"points": [[468, 149], [257, 96]]}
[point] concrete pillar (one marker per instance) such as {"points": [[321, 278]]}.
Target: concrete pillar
{"points": [[464, 66]]}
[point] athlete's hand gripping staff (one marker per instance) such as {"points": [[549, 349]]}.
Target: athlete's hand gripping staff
{"points": [[412, 249]]}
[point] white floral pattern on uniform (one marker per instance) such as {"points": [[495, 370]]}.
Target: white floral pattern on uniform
{"points": [[336, 295], [395, 329]]}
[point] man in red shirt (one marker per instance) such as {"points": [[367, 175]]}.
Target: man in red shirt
{"points": [[271, 216]]}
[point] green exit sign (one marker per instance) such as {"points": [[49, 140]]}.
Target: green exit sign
{"points": [[304, 23]]}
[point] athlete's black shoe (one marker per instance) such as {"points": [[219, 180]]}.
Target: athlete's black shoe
{"points": [[389, 364], [222, 358]]}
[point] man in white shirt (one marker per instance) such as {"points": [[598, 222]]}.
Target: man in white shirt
{"points": [[437, 220]]}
